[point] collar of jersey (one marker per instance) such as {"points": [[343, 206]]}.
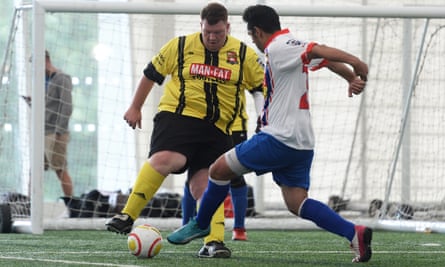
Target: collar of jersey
{"points": [[283, 31]]}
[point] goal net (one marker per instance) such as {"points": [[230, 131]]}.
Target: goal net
{"points": [[379, 157]]}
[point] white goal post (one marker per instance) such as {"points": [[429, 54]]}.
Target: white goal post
{"points": [[375, 155]]}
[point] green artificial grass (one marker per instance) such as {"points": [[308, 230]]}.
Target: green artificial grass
{"points": [[265, 248]]}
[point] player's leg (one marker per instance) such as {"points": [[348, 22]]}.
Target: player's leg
{"points": [[324, 217], [213, 197], [214, 246], [210, 143], [238, 192], [164, 159], [147, 184], [294, 183], [188, 204]]}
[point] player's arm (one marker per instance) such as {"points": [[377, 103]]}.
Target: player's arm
{"points": [[333, 54], [356, 85], [133, 116], [258, 100], [155, 72], [254, 76]]}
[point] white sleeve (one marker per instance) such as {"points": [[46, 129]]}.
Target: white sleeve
{"points": [[258, 99]]}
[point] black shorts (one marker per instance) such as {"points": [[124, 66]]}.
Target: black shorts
{"points": [[239, 137], [199, 141]]}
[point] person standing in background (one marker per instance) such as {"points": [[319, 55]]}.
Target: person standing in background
{"points": [[58, 110]]}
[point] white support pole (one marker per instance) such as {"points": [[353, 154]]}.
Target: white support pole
{"points": [[406, 142], [38, 110], [363, 117]]}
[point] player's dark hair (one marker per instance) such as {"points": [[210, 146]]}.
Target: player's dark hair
{"points": [[214, 12], [263, 17]]}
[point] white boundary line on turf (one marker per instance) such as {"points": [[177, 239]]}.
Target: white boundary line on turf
{"points": [[176, 252], [234, 253], [67, 262], [334, 252]]}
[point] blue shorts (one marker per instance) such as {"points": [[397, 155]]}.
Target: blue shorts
{"points": [[263, 153]]}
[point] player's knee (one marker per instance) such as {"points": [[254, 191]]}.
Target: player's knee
{"points": [[220, 171], [214, 171]]}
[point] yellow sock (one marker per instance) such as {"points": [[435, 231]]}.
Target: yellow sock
{"points": [[216, 226], [146, 185]]}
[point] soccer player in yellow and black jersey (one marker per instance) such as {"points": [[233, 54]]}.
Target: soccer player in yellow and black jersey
{"points": [[209, 71]]}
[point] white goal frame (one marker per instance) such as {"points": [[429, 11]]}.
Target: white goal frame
{"points": [[40, 7]]}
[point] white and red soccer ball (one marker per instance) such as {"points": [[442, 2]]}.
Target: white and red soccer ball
{"points": [[144, 241]]}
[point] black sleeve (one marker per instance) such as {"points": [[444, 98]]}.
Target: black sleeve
{"points": [[151, 73]]}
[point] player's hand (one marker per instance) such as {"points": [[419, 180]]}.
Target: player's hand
{"points": [[361, 70], [133, 117], [356, 86]]}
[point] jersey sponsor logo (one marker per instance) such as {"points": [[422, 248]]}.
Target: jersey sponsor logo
{"points": [[212, 72], [294, 42], [232, 58]]}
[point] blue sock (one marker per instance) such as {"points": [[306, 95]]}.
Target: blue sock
{"points": [[239, 201], [324, 217], [188, 205], [210, 201]]}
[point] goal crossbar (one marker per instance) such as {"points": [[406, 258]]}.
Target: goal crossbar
{"points": [[283, 10]]}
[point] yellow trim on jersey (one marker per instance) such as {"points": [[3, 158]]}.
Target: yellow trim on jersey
{"points": [[207, 85]]}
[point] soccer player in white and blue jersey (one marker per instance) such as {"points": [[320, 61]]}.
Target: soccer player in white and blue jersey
{"points": [[285, 145]]}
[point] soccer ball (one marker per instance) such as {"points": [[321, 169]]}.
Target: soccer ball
{"points": [[144, 241]]}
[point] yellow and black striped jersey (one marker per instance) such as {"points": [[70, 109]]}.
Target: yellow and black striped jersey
{"points": [[206, 85]]}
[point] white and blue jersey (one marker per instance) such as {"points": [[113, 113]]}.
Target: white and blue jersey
{"points": [[286, 142], [286, 111]]}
